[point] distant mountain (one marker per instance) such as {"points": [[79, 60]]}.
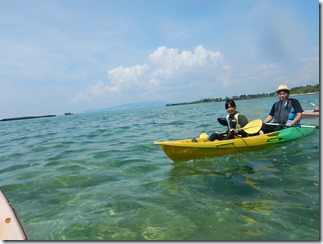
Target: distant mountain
{"points": [[149, 104]]}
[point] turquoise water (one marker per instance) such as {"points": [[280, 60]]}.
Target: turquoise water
{"points": [[100, 177]]}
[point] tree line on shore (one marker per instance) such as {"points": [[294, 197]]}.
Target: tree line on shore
{"points": [[294, 90]]}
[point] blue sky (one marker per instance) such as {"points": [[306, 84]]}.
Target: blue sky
{"points": [[73, 55]]}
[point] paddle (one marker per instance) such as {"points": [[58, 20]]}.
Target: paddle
{"points": [[251, 128], [302, 126], [316, 109]]}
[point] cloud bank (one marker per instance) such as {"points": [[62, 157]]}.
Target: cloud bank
{"points": [[184, 69]]}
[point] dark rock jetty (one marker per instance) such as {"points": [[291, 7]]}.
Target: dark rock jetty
{"points": [[27, 117]]}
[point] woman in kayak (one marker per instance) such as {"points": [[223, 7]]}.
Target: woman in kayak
{"points": [[286, 112], [234, 119]]}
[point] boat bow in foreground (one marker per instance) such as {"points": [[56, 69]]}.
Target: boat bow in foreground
{"points": [[10, 226]]}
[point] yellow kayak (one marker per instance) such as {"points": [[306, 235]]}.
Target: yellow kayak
{"points": [[183, 150]]}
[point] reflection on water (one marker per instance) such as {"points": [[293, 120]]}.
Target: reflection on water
{"points": [[271, 178]]}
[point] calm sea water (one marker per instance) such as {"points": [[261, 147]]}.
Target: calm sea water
{"points": [[100, 177]]}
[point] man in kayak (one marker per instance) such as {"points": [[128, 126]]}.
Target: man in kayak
{"points": [[286, 112], [235, 121]]}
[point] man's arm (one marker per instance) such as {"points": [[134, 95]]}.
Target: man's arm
{"points": [[295, 120], [268, 119], [270, 115]]}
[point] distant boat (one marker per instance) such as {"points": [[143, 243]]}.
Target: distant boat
{"points": [[68, 113], [310, 114]]}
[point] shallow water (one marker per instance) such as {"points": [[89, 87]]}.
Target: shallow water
{"points": [[100, 177]]}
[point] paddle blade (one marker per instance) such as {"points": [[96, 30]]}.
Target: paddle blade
{"points": [[253, 127]]}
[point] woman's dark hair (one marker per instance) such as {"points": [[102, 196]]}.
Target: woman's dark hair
{"points": [[230, 102]]}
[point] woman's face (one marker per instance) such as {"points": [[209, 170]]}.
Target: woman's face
{"points": [[231, 109]]}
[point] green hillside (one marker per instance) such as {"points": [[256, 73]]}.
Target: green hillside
{"points": [[294, 90]]}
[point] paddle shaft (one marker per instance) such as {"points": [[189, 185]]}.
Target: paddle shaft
{"points": [[302, 126]]}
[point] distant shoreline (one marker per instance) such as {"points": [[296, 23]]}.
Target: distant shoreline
{"points": [[299, 94], [235, 98], [27, 117]]}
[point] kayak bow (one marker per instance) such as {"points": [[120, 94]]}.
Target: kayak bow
{"points": [[10, 226]]}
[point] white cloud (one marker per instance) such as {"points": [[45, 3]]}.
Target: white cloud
{"points": [[95, 89], [122, 77], [171, 62], [167, 66]]}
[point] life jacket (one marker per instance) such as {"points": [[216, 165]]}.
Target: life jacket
{"points": [[233, 122], [284, 112]]}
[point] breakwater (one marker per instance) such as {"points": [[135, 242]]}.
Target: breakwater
{"points": [[27, 117]]}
